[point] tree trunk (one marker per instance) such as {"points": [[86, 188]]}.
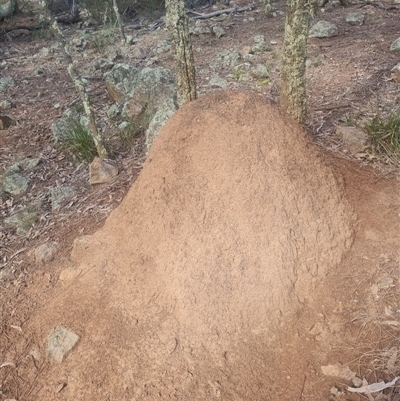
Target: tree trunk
{"points": [[177, 23], [293, 75], [98, 140], [118, 16]]}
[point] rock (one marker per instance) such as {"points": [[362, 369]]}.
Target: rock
{"points": [[246, 50], [46, 252], [259, 46], [120, 81], [61, 195], [355, 18], [154, 87], [26, 164], [164, 112], [323, 29], [14, 184], [69, 274], [163, 46], [218, 31], [22, 220], [342, 372], [6, 82], [385, 283], [6, 104], [260, 71], [396, 73], [200, 30], [357, 382], [7, 8], [124, 125], [354, 138], [394, 47], [103, 64], [43, 52], [60, 342], [278, 13], [68, 121], [113, 111], [217, 82], [6, 122], [226, 59], [102, 171]]}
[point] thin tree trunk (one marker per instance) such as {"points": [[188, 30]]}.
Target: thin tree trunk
{"points": [[121, 27], [177, 23], [293, 75], [98, 140]]}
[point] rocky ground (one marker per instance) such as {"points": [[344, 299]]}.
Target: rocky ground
{"points": [[45, 194]]}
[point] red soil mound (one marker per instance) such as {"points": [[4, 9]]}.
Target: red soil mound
{"points": [[233, 222]]}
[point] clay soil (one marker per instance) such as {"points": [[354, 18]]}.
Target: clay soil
{"points": [[247, 260]]}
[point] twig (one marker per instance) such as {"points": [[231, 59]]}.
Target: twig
{"points": [[220, 12], [302, 388]]}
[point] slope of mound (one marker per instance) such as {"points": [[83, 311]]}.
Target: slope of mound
{"points": [[233, 222]]}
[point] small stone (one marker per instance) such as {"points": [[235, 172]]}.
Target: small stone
{"points": [[357, 382], [385, 283], [44, 52], [163, 46], [201, 30], [61, 195], [22, 220], [60, 342], [124, 125], [218, 82], [246, 50], [218, 31], [6, 104], [69, 274], [395, 46], [113, 111], [354, 138], [355, 18], [323, 29], [396, 73], [102, 171], [29, 163], [260, 71], [259, 46], [6, 82], [15, 184], [226, 59], [273, 42], [46, 252]]}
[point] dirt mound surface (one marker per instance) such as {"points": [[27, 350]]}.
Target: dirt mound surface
{"points": [[233, 223]]}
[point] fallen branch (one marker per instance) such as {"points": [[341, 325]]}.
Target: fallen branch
{"points": [[25, 27], [232, 10]]}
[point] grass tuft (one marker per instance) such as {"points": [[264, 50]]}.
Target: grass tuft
{"points": [[385, 134], [79, 142]]}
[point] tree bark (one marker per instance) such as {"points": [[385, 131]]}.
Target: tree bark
{"points": [[293, 75], [177, 24], [118, 16], [98, 140]]}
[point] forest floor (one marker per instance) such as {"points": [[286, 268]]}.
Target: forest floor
{"points": [[349, 83]]}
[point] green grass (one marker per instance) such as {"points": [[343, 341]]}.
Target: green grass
{"points": [[79, 143], [385, 134]]}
